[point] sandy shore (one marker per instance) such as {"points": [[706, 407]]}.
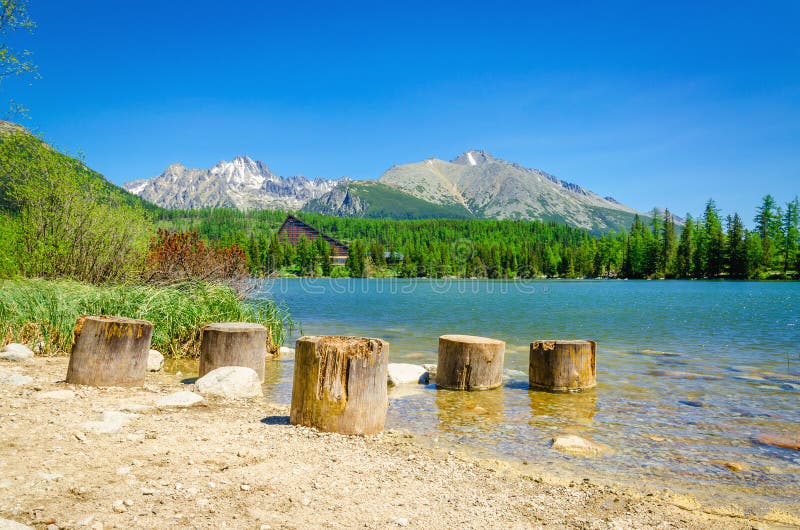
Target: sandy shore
{"points": [[239, 464]]}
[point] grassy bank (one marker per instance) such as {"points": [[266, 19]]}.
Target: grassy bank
{"points": [[33, 310]]}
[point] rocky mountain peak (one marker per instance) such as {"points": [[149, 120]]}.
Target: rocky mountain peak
{"points": [[241, 182], [473, 157]]}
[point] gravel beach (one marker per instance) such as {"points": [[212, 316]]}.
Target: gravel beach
{"points": [[83, 457]]}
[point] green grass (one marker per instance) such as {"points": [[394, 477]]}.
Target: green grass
{"points": [[34, 310]]}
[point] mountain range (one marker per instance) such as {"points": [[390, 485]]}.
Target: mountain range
{"points": [[473, 185], [241, 183]]}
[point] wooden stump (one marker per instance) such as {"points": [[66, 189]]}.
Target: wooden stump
{"points": [[340, 384], [233, 344], [470, 363], [562, 365], [109, 351]]}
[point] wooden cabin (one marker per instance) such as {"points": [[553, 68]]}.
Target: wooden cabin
{"points": [[292, 228]]}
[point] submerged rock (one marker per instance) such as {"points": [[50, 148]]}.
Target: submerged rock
{"points": [[403, 374], [784, 442], [576, 446], [155, 361], [184, 398], [509, 374], [230, 382], [16, 352]]}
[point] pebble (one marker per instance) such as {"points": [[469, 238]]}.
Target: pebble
{"points": [[245, 487], [735, 466], [119, 507], [60, 395], [184, 398], [112, 422], [8, 524], [15, 379], [400, 521]]}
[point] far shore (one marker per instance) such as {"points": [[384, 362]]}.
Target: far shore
{"points": [[239, 464]]}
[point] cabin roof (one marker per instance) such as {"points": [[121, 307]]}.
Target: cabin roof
{"points": [[291, 219]]}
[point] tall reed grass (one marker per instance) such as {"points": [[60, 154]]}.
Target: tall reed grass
{"points": [[34, 310]]}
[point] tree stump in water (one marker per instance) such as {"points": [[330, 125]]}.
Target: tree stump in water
{"points": [[562, 365], [233, 344], [109, 351], [340, 384], [470, 363]]}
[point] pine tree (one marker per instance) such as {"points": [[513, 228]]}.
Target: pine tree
{"points": [[356, 259], [765, 219], [791, 236], [684, 261], [738, 264], [668, 247], [712, 242]]}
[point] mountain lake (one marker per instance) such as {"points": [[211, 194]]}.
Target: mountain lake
{"points": [[689, 374]]}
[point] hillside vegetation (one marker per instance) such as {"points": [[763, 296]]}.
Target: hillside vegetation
{"points": [[71, 243]]}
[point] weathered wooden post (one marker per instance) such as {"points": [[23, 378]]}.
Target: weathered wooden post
{"points": [[470, 363], [340, 384], [562, 365], [109, 351], [233, 344]]}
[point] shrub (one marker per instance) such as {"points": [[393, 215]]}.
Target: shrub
{"points": [[70, 222]]}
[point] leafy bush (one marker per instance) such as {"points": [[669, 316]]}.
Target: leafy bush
{"points": [[46, 310], [70, 222]]}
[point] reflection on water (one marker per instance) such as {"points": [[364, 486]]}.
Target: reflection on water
{"points": [[461, 411], [569, 409]]}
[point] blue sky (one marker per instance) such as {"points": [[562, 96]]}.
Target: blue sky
{"points": [[654, 103]]}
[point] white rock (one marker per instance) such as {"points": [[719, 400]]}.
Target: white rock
{"points": [[283, 350], [61, 395], [155, 361], [119, 507], [184, 398], [8, 524], [16, 352], [400, 521], [577, 446], [15, 379], [402, 374], [230, 382], [113, 421]]}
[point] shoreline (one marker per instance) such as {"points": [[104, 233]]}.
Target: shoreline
{"points": [[240, 463]]}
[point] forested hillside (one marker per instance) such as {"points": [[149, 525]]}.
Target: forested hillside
{"points": [[706, 247]]}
